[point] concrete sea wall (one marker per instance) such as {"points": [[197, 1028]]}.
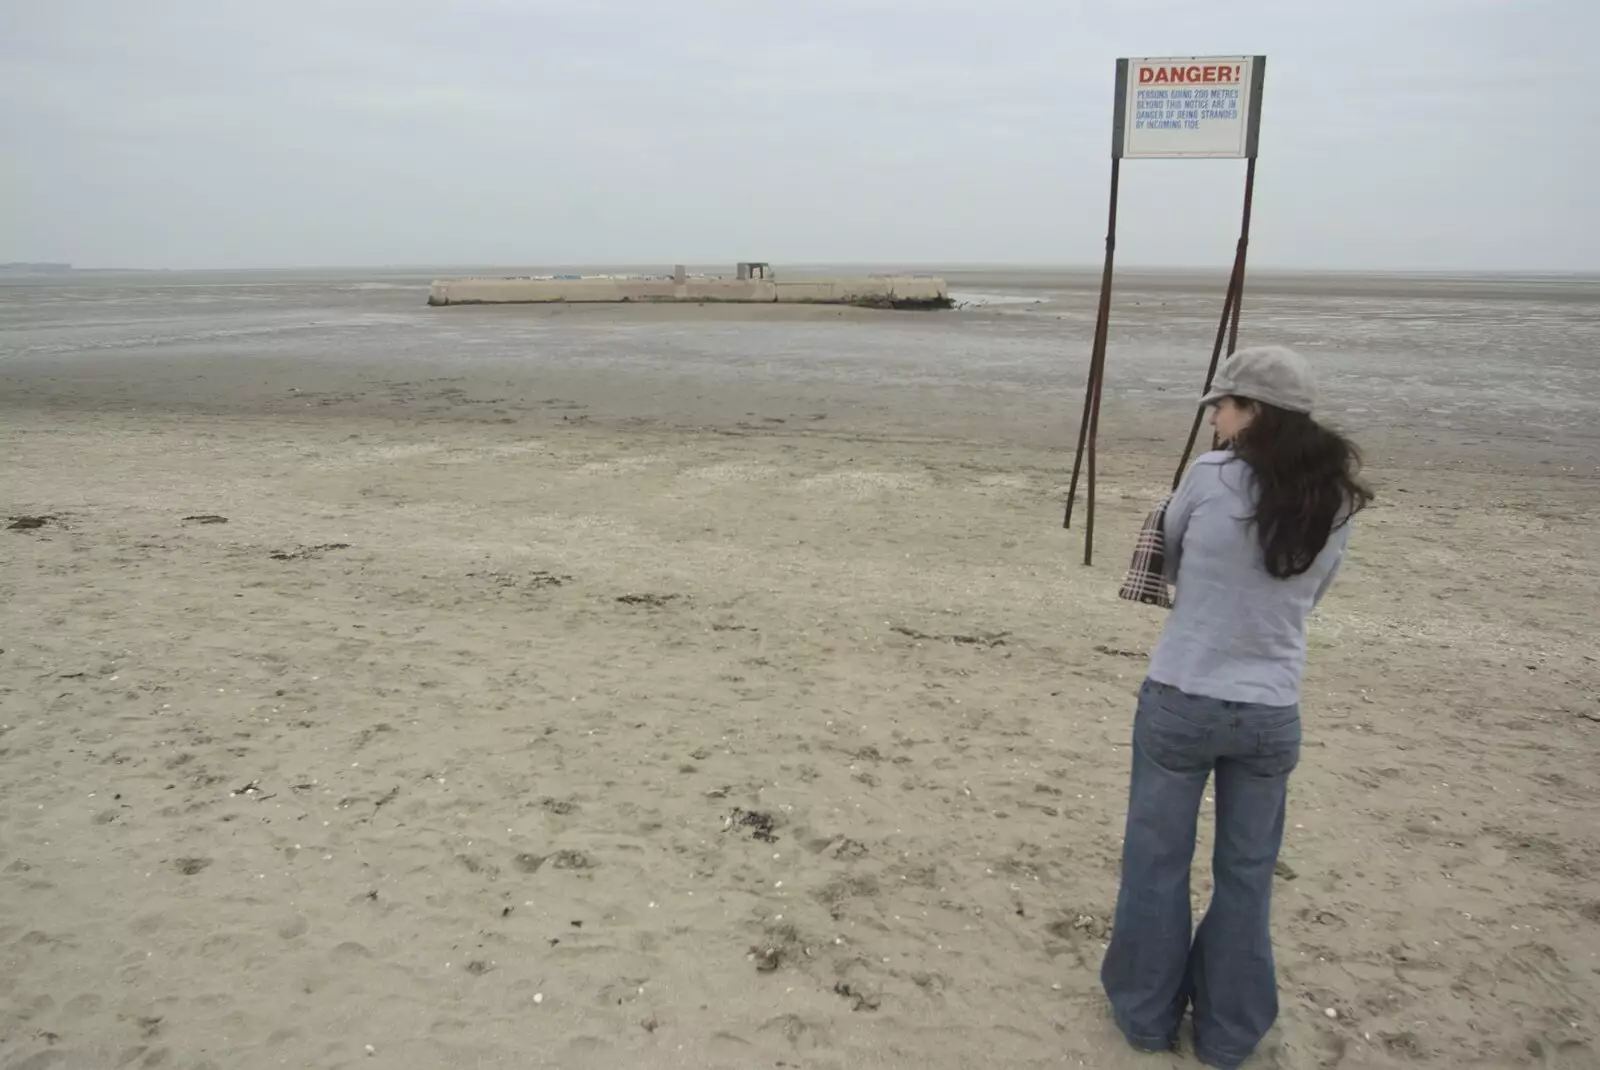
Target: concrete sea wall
{"points": [[885, 291]]}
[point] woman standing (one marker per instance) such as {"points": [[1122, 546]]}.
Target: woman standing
{"points": [[1254, 536]]}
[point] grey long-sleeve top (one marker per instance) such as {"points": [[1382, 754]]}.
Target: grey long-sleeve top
{"points": [[1235, 632]]}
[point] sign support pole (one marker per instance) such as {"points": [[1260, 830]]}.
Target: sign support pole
{"points": [[1244, 249], [1097, 360], [1182, 107], [1229, 324], [1089, 426]]}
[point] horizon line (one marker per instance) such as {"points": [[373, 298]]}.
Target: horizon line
{"points": [[954, 265]]}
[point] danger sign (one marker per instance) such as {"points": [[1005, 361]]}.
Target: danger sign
{"points": [[1201, 107], [1192, 74]]}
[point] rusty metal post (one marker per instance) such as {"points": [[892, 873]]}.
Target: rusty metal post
{"points": [[1089, 426], [1083, 432], [1099, 362], [1230, 313], [1244, 250], [1211, 372]]}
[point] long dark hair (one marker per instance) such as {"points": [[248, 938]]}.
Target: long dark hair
{"points": [[1308, 481]]}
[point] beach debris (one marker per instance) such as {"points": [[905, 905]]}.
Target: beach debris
{"points": [[572, 860], [366, 735], [760, 824], [302, 553], [767, 959], [251, 790], [538, 997], [719, 793], [541, 578], [371, 1050], [31, 523], [863, 1001], [985, 639], [477, 967], [537, 580], [190, 866], [1285, 870], [528, 863], [1330, 1012], [559, 807], [474, 864], [205, 518], [654, 601], [1095, 927], [1117, 652], [848, 848]]}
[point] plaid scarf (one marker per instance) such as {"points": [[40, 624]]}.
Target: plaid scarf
{"points": [[1146, 581]]}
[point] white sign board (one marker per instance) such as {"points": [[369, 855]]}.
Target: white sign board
{"points": [[1188, 107]]}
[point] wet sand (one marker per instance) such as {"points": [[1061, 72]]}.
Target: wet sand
{"points": [[461, 736]]}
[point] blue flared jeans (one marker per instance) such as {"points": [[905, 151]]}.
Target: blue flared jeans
{"points": [[1158, 964]]}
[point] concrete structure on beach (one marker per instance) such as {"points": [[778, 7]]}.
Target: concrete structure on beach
{"points": [[754, 283]]}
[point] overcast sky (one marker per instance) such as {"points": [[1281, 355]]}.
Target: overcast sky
{"points": [[1398, 134]]}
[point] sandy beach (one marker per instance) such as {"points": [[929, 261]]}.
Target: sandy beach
{"points": [[415, 688]]}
